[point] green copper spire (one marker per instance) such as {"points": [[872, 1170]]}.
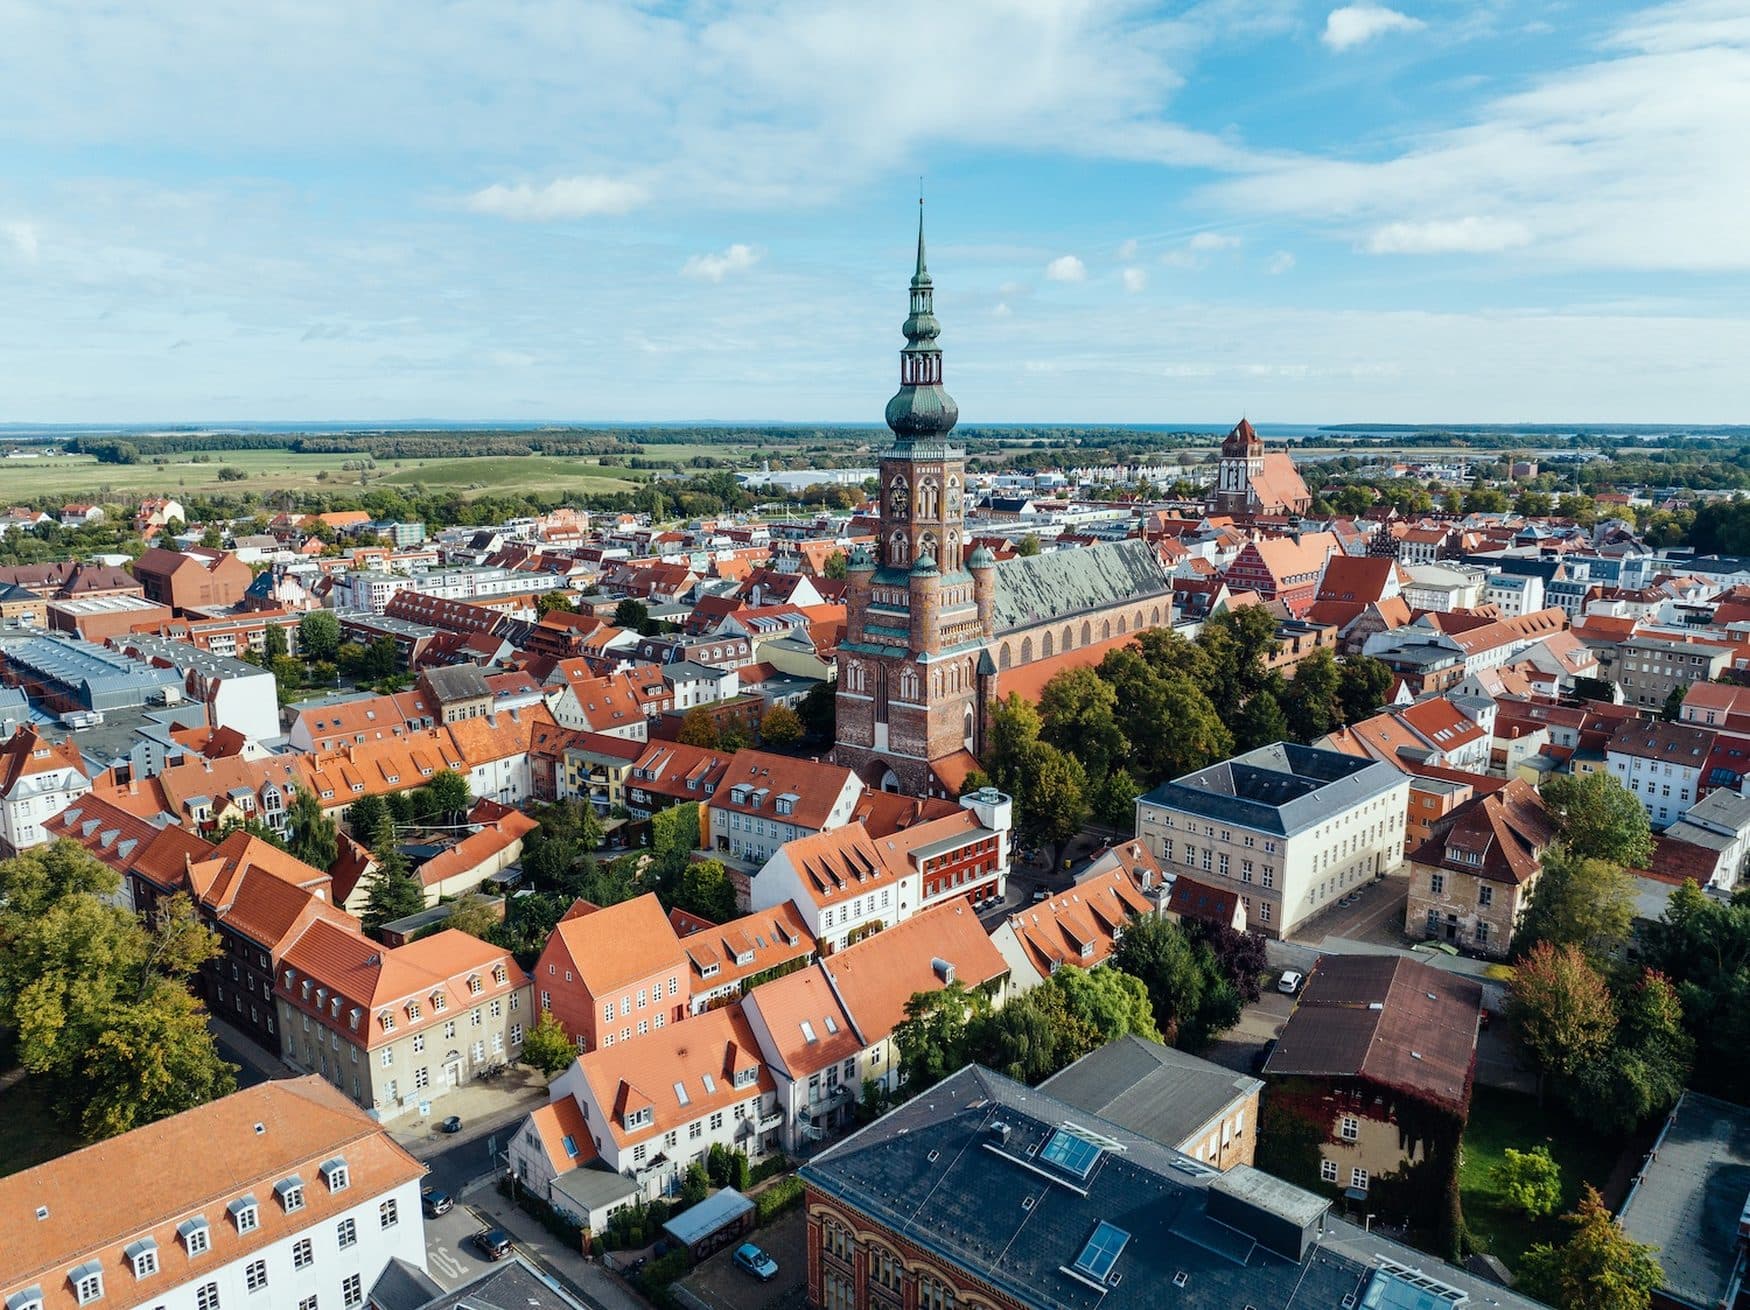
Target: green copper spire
{"points": [[921, 409]]}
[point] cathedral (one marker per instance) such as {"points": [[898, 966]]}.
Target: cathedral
{"points": [[1251, 481], [935, 635]]}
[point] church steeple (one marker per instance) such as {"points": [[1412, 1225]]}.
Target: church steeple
{"points": [[921, 409]]}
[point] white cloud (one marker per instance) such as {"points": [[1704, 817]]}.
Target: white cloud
{"points": [[714, 268], [1135, 279], [563, 197], [1599, 162], [1278, 263], [1066, 268], [23, 238], [1354, 25], [1468, 235], [1208, 241], [1001, 310], [1127, 251]]}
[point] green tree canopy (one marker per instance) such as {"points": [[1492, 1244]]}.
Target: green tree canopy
{"points": [[705, 890], [1561, 1009], [314, 839], [1313, 702], [1530, 1181], [448, 795], [1579, 901], [780, 726], [632, 615], [319, 635], [698, 728], [1078, 713], [394, 893], [1260, 722], [1109, 1001], [1363, 683], [1598, 1268], [818, 711], [1596, 817], [1703, 946], [1190, 995], [932, 1039], [364, 816], [546, 1048], [1647, 1065]]}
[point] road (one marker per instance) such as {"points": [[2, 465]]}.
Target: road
{"points": [[450, 1255], [455, 1161], [1026, 876]]}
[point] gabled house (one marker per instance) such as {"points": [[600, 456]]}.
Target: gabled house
{"points": [[1471, 880], [1079, 927], [611, 975]]}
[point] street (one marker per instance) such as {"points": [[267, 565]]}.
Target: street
{"points": [[1025, 876], [450, 1255]]}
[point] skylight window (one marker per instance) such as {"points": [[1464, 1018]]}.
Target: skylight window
{"points": [[1102, 1251], [710, 1084], [680, 1094], [1070, 1153], [808, 1032]]}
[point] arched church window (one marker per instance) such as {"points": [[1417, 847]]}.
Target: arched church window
{"points": [[1045, 647], [929, 498], [1122, 629], [1087, 632], [927, 545], [1003, 659], [1026, 650], [897, 550]]}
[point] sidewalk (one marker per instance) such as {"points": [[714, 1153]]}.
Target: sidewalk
{"points": [[240, 1047], [595, 1285]]}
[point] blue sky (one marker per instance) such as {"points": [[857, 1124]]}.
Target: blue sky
{"points": [[1427, 210]]}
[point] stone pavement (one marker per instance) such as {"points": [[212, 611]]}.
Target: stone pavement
{"points": [[584, 1277]]}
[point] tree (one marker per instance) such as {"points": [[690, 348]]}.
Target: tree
{"points": [[632, 615], [1313, 703], [365, 815], [319, 635], [932, 1038], [1078, 713], [548, 601], [1673, 705], [818, 711], [1577, 901], [1598, 1268], [314, 839], [394, 892], [1363, 683], [97, 1000], [837, 566], [1013, 738], [288, 675], [695, 1184], [706, 891], [1562, 1010], [1028, 546], [449, 795], [698, 728], [1110, 1002], [1032, 1036], [1190, 996], [1114, 800], [476, 918], [274, 642], [1052, 801], [1239, 643], [1260, 723], [732, 736], [546, 1048], [1596, 817], [1703, 946], [780, 726], [1645, 1069], [1529, 1181]]}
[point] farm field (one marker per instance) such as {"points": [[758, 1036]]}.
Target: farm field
{"points": [[81, 477]]}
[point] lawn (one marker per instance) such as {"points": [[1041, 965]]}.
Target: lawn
{"points": [[29, 1133], [1499, 1120], [510, 473]]}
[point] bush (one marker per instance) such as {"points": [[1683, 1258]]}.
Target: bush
{"points": [[770, 1167], [654, 1279], [785, 1194], [597, 1247], [231, 473]]}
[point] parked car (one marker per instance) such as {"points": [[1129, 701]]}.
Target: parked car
{"points": [[494, 1243], [1289, 983], [435, 1203], [453, 1124], [1040, 894], [756, 1262]]}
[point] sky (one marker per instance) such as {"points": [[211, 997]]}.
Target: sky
{"points": [[1431, 211]]}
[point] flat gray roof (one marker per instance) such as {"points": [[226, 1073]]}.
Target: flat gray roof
{"points": [[1285, 788], [1162, 1093]]}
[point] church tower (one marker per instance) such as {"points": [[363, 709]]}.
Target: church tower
{"points": [[907, 675], [1242, 459]]}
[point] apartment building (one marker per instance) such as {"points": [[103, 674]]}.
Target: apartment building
{"points": [[193, 578], [394, 1028], [1663, 764], [1288, 827], [38, 779], [1649, 669], [765, 800], [1079, 927], [613, 974], [280, 1195], [654, 1108], [729, 959], [1471, 880]]}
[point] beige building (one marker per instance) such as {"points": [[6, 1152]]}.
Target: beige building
{"points": [[394, 1028], [1288, 828], [1171, 1096], [1471, 880]]}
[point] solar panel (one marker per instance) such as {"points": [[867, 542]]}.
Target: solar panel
{"points": [[1102, 1251], [1072, 1154]]}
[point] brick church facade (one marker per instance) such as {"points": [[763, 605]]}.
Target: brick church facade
{"points": [[930, 628]]}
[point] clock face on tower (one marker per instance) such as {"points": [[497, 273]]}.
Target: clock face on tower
{"points": [[898, 500]]}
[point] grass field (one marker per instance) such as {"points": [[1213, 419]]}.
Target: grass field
{"points": [[1499, 1120], [80, 477]]}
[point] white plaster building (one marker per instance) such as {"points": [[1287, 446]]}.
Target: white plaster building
{"points": [[38, 779]]}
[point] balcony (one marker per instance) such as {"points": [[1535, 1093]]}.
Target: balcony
{"points": [[770, 1122]]}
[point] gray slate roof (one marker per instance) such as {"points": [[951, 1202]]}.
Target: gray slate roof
{"points": [[1162, 1093], [1691, 1190], [1285, 788], [1065, 582], [509, 1285], [962, 1171], [457, 683]]}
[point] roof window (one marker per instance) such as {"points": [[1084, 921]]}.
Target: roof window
{"points": [[1100, 1254]]}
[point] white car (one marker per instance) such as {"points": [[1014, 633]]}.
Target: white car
{"points": [[1289, 983]]}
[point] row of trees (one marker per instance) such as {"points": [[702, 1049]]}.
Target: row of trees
{"points": [[1181, 984], [1101, 735]]}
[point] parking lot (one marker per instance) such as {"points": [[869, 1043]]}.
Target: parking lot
{"points": [[450, 1255], [719, 1284], [1374, 913]]}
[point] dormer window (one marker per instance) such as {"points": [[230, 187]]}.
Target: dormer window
{"points": [[143, 1255], [1087, 949], [87, 1282], [439, 1001], [475, 986], [291, 1193], [413, 1011], [387, 1019], [352, 1020], [709, 970], [745, 957], [245, 1214], [638, 1118], [335, 1175], [745, 1077], [29, 1298], [500, 975], [196, 1237]]}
